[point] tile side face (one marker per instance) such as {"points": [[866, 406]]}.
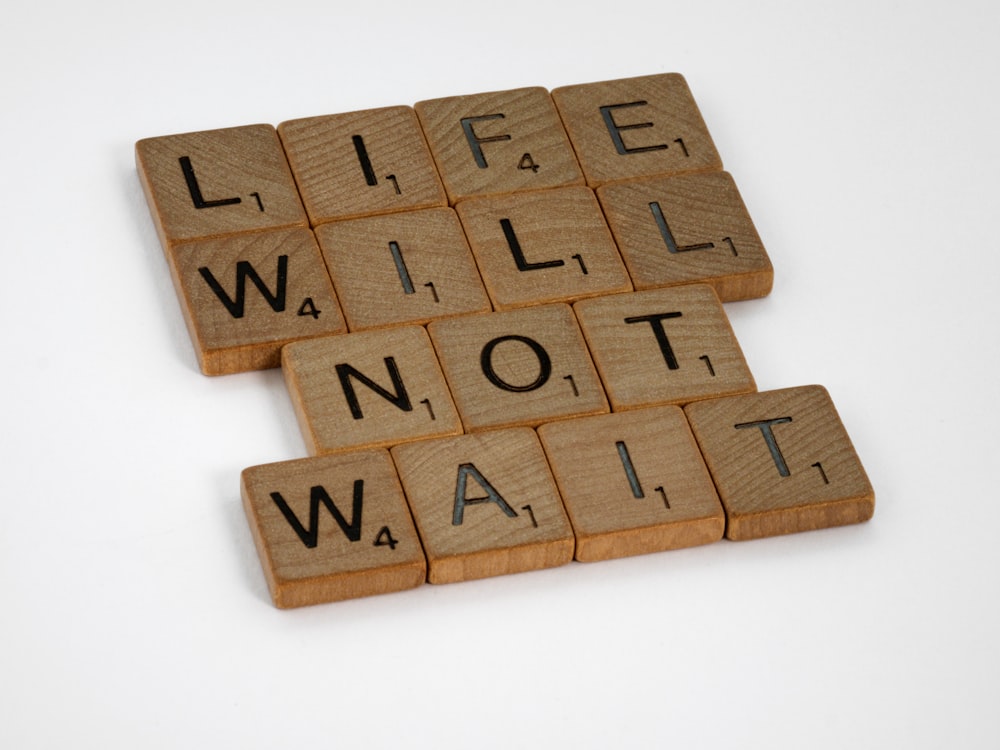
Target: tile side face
{"points": [[782, 462]]}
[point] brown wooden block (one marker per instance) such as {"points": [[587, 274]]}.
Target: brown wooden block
{"points": [[245, 296], [692, 228], [664, 346], [218, 182], [782, 462], [621, 496], [520, 367], [636, 127], [401, 268], [332, 528], [543, 246], [368, 389], [498, 142], [484, 505], [361, 163]]}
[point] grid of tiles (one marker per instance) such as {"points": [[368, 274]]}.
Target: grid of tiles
{"points": [[501, 321]]}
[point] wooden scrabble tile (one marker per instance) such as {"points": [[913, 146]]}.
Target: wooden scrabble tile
{"points": [[368, 389], [245, 296], [782, 462], [664, 346], [361, 163], [484, 505], [636, 127], [691, 228], [498, 142], [543, 246], [400, 268], [520, 367], [622, 497], [218, 182], [332, 528]]}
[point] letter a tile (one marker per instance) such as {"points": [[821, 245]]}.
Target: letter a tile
{"points": [[247, 295], [633, 483], [484, 505], [368, 389], [332, 528], [782, 462]]}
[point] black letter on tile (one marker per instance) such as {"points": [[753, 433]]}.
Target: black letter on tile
{"points": [[765, 426], [366, 164], [656, 322], [518, 253], [474, 140], [195, 189], [244, 271], [544, 364], [400, 398], [668, 236], [614, 129], [317, 495], [492, 496]]}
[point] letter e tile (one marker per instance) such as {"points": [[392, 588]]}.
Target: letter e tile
{"points": [[782, 462], [636, 127], [332, 528], [622, 496], [484, 505]]}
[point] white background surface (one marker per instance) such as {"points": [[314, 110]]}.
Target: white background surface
{"points": [[864, 138]]}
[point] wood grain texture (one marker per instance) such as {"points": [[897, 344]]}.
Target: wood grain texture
{"points": [[636, 127], [498, 142], [520, 367], [245, 296], [543, 246], [308, 554], [402, 268], [782, 462], [621, 496], [217, 182], [368, 389], [688, 229], [484, 505], [664, 346], [361, 163]]}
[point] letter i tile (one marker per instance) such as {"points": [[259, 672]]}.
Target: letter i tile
{"points": [[633, 483], [484, 505], [332, 528], [782, 462], [245, 296]]}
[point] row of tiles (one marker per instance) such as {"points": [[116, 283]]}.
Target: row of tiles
{"points": [[318, 169], [593, 488]]}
